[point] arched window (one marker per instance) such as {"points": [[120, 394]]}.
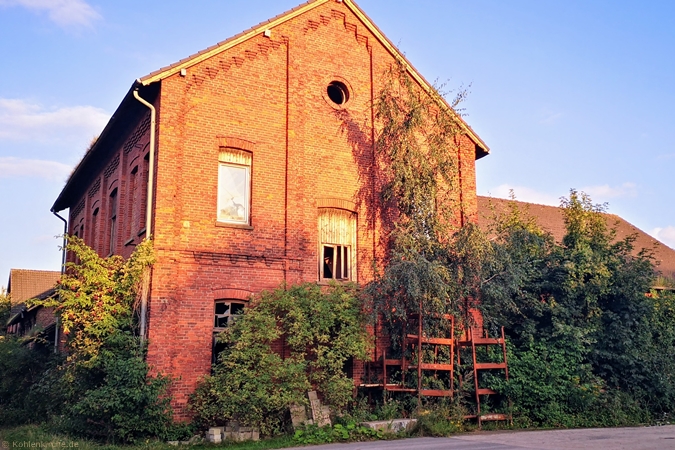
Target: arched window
{"points": [[112, 214]]}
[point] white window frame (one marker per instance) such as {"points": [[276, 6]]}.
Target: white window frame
{"points": [[239, 160]]}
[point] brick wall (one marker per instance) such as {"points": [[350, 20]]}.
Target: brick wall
{"points": [[266, 95]]}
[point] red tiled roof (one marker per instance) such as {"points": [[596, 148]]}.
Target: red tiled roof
{"points": [[25, 284], [551, 219]]}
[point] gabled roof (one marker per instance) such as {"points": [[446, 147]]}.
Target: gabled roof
{"points": [[25, 284], [280, 19], [148, 85], [551, 219]]}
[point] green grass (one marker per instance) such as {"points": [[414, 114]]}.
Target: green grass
{"points": [[37, 437]]}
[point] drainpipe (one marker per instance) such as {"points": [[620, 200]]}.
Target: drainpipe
{"points": [[63, 269], [148, 214]]}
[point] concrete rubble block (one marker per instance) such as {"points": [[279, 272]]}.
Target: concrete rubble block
{"points": [[174, 443], [311, 395], [298, 415], [215, 435], [315, 407], [324, 416], [391, 426], [255, 435]]}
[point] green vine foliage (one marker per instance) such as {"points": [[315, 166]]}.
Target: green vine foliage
{"points": [[102, 388], [322, 327]]}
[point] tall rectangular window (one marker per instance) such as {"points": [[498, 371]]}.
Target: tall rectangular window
{"points": [[133, 204], [112, 240], [94, 231], [337, 241], [143, 195], [234, 186]]}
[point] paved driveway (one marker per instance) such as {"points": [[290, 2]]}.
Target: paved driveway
{"points": [[644, 438]]}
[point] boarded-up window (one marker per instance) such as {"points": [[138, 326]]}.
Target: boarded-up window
{"points": [[337, 244], [234, 186]]}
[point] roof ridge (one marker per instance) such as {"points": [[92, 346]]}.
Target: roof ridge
{"points": [[215, 49]]}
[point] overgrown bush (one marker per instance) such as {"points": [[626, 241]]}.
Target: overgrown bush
{"points": [[322, 328], [590, 345], [20, 369], [102, 389]]}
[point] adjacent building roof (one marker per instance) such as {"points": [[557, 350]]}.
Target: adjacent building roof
{"points": [[550, 218], [25, 284]]}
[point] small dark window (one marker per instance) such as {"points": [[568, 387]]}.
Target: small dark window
{"points": [[226, 312], [337, 93]]}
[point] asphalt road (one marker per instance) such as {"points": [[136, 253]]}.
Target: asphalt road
{"points": [[644, 438]]}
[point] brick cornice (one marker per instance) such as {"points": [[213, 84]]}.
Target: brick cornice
{"points": [[235, 142], [232, 294], [339, 203]]}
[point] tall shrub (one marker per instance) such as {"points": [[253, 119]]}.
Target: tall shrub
{"points": [[321, 327], [102, 389]]}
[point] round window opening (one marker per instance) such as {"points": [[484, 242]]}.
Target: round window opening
{"points": [[337, 93]]}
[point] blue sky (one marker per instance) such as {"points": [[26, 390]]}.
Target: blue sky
{"points": [[567, 94]]}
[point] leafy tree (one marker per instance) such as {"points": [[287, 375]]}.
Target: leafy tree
{"points": [[102, 389], [5, 308]]}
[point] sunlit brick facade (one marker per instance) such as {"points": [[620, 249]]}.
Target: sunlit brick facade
{"points": [[256, 106]]}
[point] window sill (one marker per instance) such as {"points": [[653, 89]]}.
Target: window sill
{"points": [[233, 225], [327, 282], [130, 242], [142, 232]]}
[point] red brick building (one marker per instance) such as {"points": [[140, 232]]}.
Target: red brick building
{"points": [[264, 172]]}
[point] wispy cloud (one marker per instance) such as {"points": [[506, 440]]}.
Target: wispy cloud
{"points": [[550, 118], [11, 167], [665, 235], [605, 192], [22, 120], [67, 14], [525, 194]]}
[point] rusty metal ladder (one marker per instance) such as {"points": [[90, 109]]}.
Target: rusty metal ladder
{"points": [[416, 340], [477, 337]]}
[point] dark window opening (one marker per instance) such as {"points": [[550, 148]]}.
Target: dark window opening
{"points": [[134, 205], [337, 93], [336, 262], [113, 222], [94, 231], [225, 313]]}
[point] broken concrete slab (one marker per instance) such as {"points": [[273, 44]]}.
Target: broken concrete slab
{"points": [[391, 426]]}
